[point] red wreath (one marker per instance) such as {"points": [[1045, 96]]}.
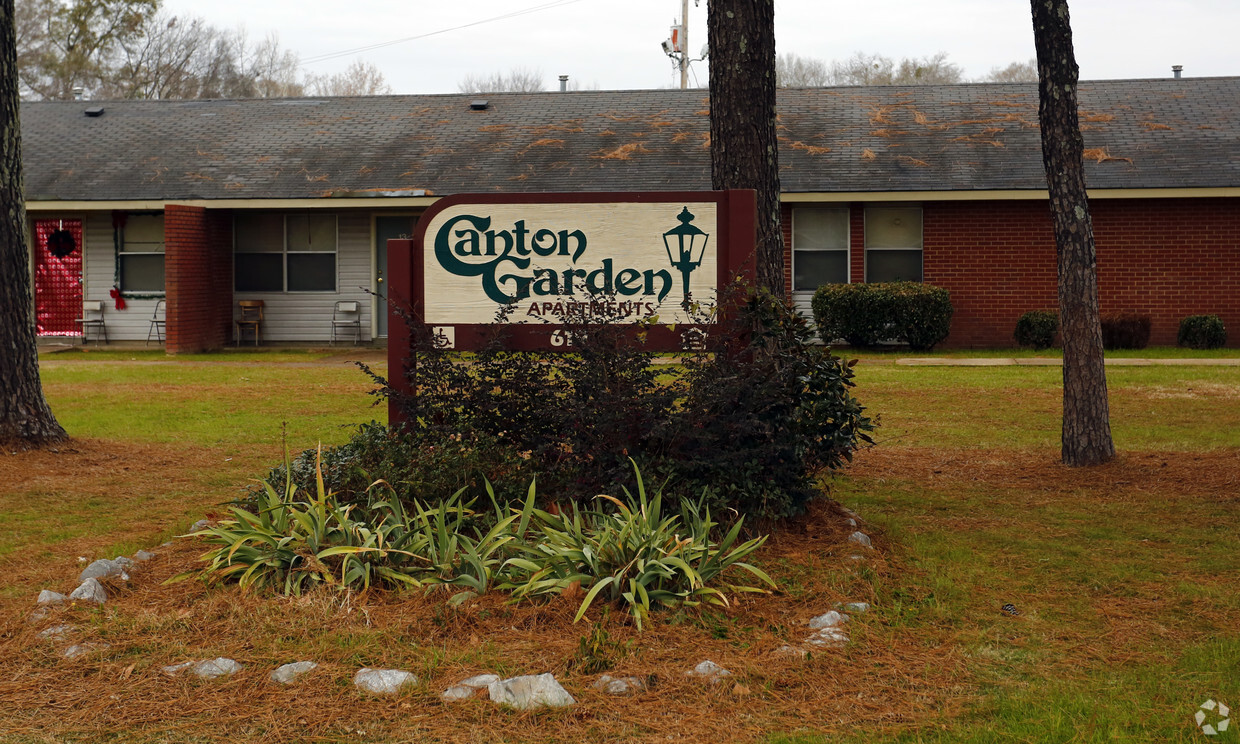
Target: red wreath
{"points": [[116, 295]]}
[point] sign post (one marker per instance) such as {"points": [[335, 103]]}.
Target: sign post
{"points": [[650, 254]]}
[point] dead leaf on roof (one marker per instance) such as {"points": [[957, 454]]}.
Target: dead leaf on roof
{"points": [[885, 133], [681, 137], [572, 127], [157, 175], [520, 177], [703, 112], [811, 149], [912, 161], [233, 185], [617, 117], [868, 154], [920, 118], [1009, 104], [492, 127], [365, 169], [879, 115], [210, 155], [316, 179], [1100, 155], [660, 124], [607, 133], [199, 177], [1092, 117], [262, 158], [1152, 126], [623, 152], [545, 142]]}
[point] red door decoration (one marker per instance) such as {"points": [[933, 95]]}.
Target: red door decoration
{"points": [[58, 277]]}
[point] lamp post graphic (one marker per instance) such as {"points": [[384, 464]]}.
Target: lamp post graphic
{"points": [[685, 245]]}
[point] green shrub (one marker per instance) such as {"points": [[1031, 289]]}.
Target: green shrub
{"points": [[923, 314], [751, 418], [763, 412], [1125, 331], [917, 314], [1202, 332], [1037, 328], [636, 557], [861, 314]]}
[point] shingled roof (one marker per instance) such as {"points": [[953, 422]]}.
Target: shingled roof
{"points": [[1139, 134]]}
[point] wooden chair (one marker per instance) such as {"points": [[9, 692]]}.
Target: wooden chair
{"points": [[346, 317], [92, 320], [251, 319], [159, 322]]}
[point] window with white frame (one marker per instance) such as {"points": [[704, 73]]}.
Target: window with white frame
{"points": [[819, 247], [140, 254], [284, 252], [893, 247]]}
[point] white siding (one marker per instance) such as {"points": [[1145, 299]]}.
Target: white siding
{"points": [[307, 316], [99, 277]]}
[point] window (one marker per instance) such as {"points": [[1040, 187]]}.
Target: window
{"points": [[819, 247], [893, 244], [140, 258], [285, 253]]}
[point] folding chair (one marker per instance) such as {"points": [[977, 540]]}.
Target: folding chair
{"points": [[92, 320], [158, 322], [251, 319], [347, 315]]}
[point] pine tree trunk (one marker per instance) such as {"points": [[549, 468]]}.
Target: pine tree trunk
{"points": [[25, 418], [743, 147], [1086, 415]]}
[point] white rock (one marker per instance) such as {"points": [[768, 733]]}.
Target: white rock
{"points": [[469, 688], [829, 638], [212, 668], [852, 522], [709, 671], [123, 561], [858, 607], [143, 555], [288, 674], [47, 596], [77, 650], [860, 538], [90, 591], [56, 631], [795, 652], [102, 569], [620, 685], [530, 691], [175, 669], [201, 524], [828, 619], [383, 681]]}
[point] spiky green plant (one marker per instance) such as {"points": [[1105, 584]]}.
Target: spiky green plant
{"points": [[635, 557]]}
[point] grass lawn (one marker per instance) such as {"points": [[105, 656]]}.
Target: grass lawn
{"points": [[1124, 577]]}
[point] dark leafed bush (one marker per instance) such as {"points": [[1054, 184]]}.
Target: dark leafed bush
{"points": [[1037, 328], [751, 418], [1125, 331], [764, 411], [917, 314], [923, 314], [1202, 332]]}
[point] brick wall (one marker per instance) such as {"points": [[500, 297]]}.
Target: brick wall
{"points": [[1167, 258], [198, 277]]}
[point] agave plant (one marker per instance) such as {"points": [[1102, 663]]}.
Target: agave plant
{"points": [[634, 557], [291, 544]]}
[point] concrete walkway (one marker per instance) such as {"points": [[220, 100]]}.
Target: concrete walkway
{"points": [[1057, 362]]}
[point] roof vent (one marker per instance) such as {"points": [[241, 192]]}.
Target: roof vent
{"points": [[1176, 70], [480, 104], [94, 111]]}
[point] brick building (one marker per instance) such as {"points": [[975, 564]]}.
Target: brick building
{"points": [[205, 203]]}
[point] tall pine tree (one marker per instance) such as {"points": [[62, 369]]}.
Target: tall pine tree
{"points": [[1086, 415]]}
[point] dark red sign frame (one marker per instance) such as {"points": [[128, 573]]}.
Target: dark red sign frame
{"points": [[734, 246]]}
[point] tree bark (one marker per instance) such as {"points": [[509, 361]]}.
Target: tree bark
{"points": [[743, 147], [25, 418], [1086, 416]]}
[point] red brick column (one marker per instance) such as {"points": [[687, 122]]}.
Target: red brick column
{"points": [[198, 278]]}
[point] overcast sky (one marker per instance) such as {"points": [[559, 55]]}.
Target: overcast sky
{"points": [[615, 45]]}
